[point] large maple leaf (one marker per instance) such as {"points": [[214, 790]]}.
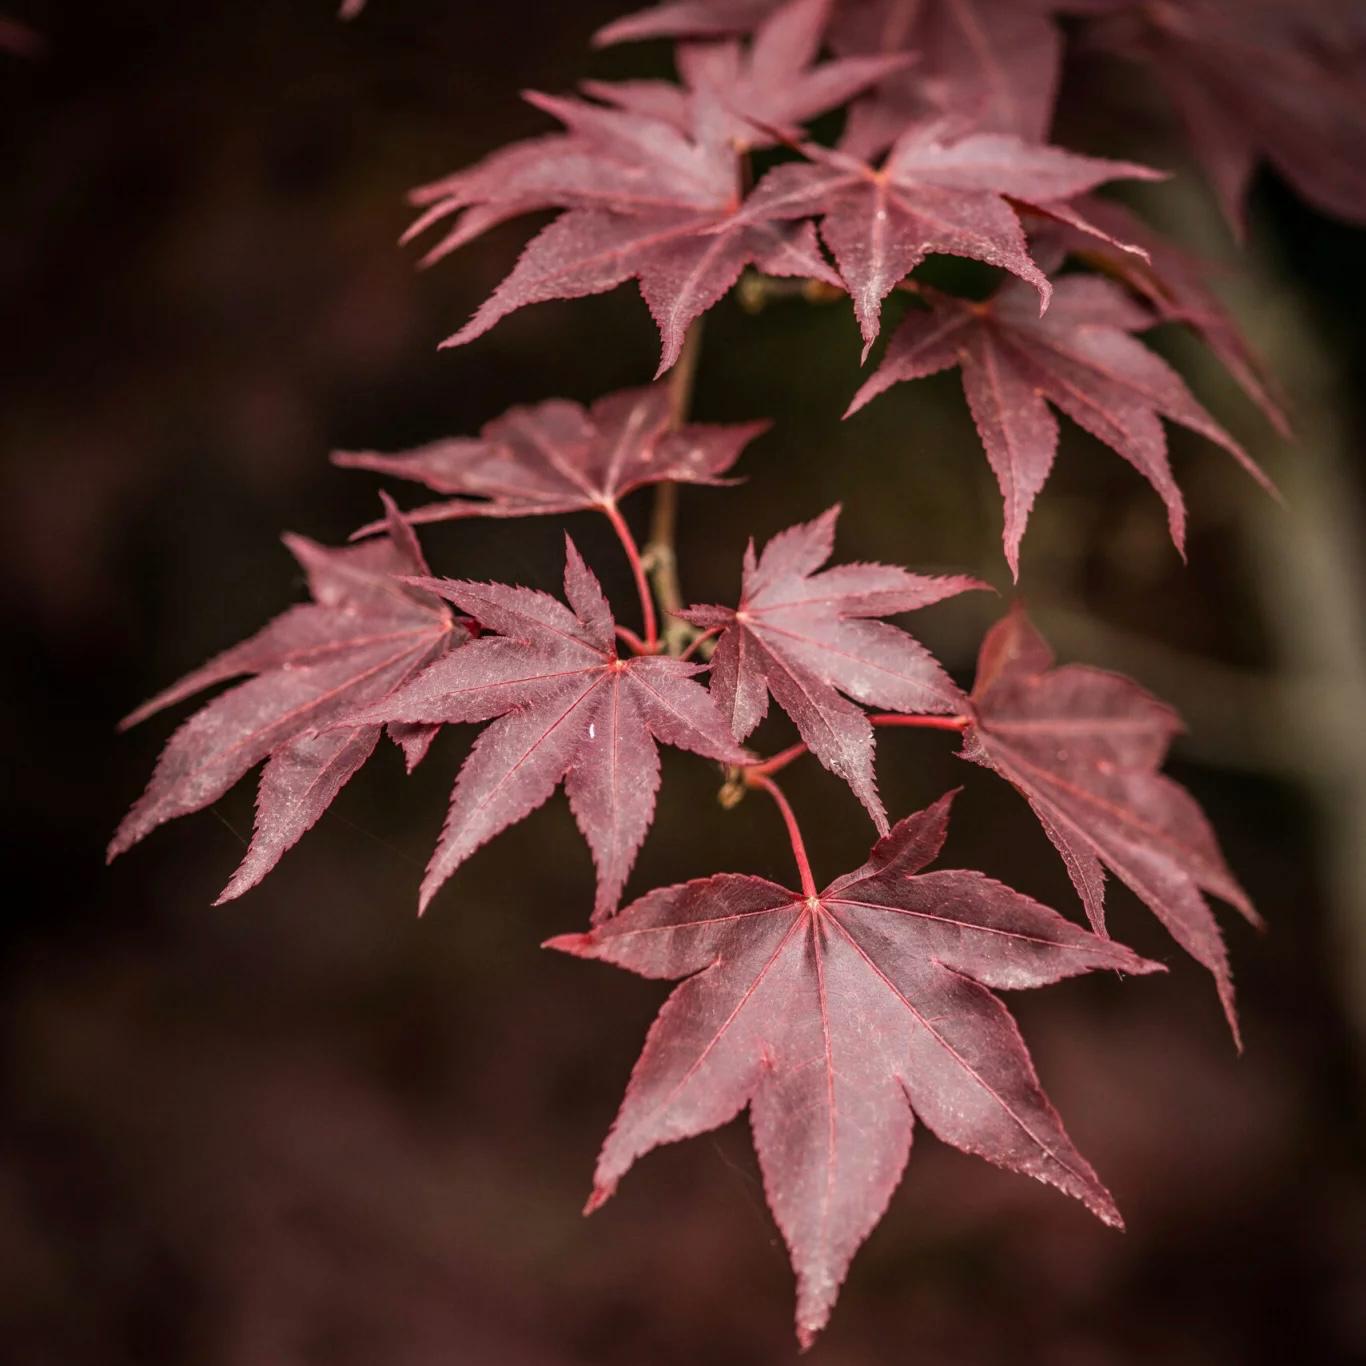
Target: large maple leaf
{"points": [[365, 633], [1083, 747], [837, 1017], [1078, 356], [1262, 79], [992, 63], [775, 84], [645, 201], [807, 637], [557, 457], [564, 707], [932, 194]]}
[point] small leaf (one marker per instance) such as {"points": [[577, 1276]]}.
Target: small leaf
{"points": [[555, 458], [808, 637]]}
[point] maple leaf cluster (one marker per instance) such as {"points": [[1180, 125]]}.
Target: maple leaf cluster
{"points": [[838, 1017]]}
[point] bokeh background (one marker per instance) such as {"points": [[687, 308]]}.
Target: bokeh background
{"points": [[308, 1128]]}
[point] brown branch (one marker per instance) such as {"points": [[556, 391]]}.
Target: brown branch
{"points": [[661, 554]]}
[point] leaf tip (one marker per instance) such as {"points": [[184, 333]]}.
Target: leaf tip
{"points": [[600, 1196], [579, 945]]}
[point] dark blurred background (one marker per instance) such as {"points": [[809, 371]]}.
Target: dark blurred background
{"points": [[307, 1128]]}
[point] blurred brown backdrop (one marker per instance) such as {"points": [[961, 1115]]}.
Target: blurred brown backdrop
{"points": [[307, 1128]]}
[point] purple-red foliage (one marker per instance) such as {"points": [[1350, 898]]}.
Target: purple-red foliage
{"points": [[838, 1016]]}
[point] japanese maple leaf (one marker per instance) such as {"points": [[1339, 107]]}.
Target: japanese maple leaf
{"points": [[364, 634], [930, 195], [992, 63], [687, 19], [1175, 284], [645, 201], [1083, 747], [837, 1017], [1262, 79], [564, 707], [556, 457], [1080, 357], [775, 84], [806, 637]]}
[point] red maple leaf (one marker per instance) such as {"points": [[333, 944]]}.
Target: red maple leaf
{"points": [[807, 637], [567, 709], [838, 1016], [775, 84], [1080, 357], [645, 201], [930, 195], [365, 634], [556, 457], [1259, 79], [992, 63], [1083, 747]]}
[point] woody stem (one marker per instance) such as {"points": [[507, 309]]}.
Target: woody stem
{"points": [[756, 779], [660, 552]]}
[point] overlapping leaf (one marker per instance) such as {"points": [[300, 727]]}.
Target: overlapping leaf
{"points": [[992, 63], [930, 195], [645, 201], [1260, 79], [807, 637], [838, 1017], [1078, 356], [365, 634], [563, 707], [1176, 285], [1083, 747], [556, 457], [775, 84]]}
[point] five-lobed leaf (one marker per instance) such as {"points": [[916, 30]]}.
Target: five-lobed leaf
{"points": [[1083, 747], [933, 193], [645, 200], [564, 708], [1078, 356], [807, 636], [557, 457], [776, 83], [837, 1018], [365, 634]]}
